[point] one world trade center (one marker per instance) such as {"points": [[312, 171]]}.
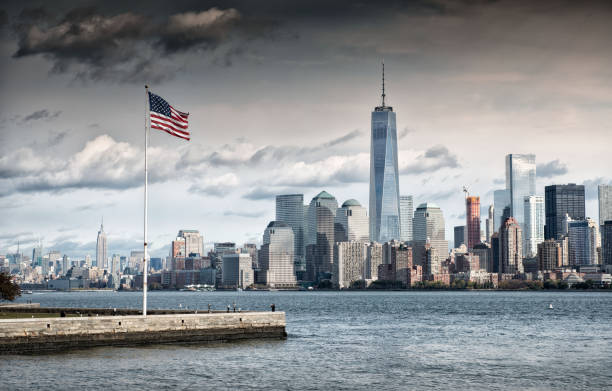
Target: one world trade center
{"points": [[384, 177]]}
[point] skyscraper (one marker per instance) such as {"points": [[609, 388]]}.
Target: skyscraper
{"points": [[101, 247], [559, 201], [604, 194], [290, 210], [237, 270], [349, 263], [320, 237], [384, 176], [472, 223], [428, 227], [194, 243], [581, 240], [511, 247], [406, 213], [606, 244], [458, 235], [549, 255], [501, 200], [276, 255], [490, 227], [520, 182], [351, 223], [534, 224]]}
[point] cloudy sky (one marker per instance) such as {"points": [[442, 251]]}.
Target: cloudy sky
{"points": [[280, 95]]}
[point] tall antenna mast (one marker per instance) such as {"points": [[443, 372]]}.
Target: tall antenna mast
{"points": [[383, 83]]}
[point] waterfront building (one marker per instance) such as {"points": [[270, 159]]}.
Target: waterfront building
{"points": [[320, 236], [178, 248], [101, 248], [550, 255], [349, 263], [384, 176], [406, 214], [237, 271], [459, 235], [485, 256], [559, 201], [472, 224], [604, 196], [489, 224], [534, 224], [397, 263], [223, 248], [433, 263], [520, 182], [194, 243], [495, 253], [374, 258], [290, 210], [351, 223], [583, 242], [501, 200], [606, 243], [511, 247], [428, 226], [276, 258], [251, 249]]}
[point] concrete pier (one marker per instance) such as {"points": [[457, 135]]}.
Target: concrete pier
{"points": [[59, 334]]}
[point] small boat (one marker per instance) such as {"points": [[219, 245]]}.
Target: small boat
{"points": [[550, 306]]}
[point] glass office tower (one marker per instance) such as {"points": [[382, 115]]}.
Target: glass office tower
{"points": [[406, 213], [384, 176], [521, 182]]}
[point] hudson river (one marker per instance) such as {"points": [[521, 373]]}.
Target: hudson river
{"points": [[351, 340]]}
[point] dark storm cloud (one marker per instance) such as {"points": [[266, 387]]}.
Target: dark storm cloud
{"points": [[551, 169], [3, 18], [434, 159], [128, 46], [41, 114]]}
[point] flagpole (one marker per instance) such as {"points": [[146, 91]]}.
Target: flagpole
{"points": [[146, 205]]}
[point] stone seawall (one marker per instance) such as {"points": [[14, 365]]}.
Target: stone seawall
{"points": [[59, 334]]}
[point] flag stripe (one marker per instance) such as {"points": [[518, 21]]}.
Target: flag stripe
{"points": [[166, 118], [168, 126], [170, 121]]}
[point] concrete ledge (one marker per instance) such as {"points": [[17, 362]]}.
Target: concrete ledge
{"points": [[57, 334]]}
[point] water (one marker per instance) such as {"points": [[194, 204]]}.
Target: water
{"points": [[352, 340]]}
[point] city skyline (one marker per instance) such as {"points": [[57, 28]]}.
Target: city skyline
{"points": [[64, 162]]}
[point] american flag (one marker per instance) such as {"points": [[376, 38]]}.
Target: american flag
{"points": [[167, 118]]}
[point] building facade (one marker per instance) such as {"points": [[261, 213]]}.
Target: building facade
{"points": [[428, 227], [290, 210], [520, 182], [237, 271], [472, 223], [606, 243], [489, 224], [349, 263], [511, 247], [501, 200], [101, 249], [559, 201], [604, 196], [534, 224], [320, 236], [406, 214], [583, 242], [194, 243], [351, 222], [384, 176], [459, 235], [276, 260]]}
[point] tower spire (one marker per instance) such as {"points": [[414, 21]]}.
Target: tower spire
{"points": [[383, 83], [102, 224]]}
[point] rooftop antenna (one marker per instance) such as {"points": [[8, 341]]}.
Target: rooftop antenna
{"points": [[383, 83]]}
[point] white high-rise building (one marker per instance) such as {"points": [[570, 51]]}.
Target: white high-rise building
{"points": [[276, 256], [194, 243], [115, 267], [534, 224], [349, 263], [406, 213], [101, 248], [604, 194], [351, 223]]}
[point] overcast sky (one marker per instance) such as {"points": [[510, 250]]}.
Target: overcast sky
{"points": [[280, 95]]}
